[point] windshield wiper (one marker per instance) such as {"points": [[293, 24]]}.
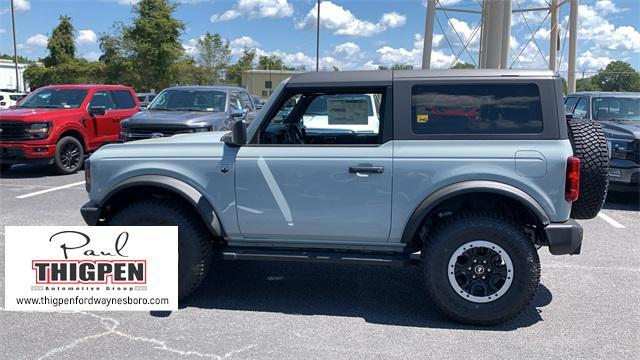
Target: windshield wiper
{"points": [[191, 109], [162, 109]]}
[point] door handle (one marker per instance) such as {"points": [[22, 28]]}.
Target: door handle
{"points": [[366, 169]]}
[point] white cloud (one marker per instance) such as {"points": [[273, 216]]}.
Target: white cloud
{"points": [[38, 40], [21, 5], [190, 47], [92, 55], [590, 62], [602, 34], [606, 7], [390, 56], [238, 45], [348, 49], [86, 37], [343, 22], [256, 9]]}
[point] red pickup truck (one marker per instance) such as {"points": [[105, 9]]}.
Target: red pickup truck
{"points": [[59, 124]]}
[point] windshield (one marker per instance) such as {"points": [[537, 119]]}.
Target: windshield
{"points": [[54, 98], [189, 100], [616, 108]]}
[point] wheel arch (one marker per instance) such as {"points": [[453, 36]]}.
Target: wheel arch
{"points": [[143, 186], [431, 205], [77, 134]]}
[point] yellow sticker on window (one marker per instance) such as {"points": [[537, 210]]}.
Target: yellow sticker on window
{"points": [[422, 118]]}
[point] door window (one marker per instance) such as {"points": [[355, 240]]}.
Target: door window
{"points": [[581, 109], [234, 102], [102, 98], [123, 99], [246, 101], [327, 119]]}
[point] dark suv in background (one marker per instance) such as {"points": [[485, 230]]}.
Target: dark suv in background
{"points": [[189, 109], [619, 115]]}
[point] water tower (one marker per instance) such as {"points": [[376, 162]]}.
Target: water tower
{"points": [[495, 33]]}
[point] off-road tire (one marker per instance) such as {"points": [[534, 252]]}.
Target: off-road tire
{"points": [[457, 230], [60, 162], [194, 246], [5, 167], [590, 145]]}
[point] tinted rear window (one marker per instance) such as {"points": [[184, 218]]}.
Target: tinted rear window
{"points": [[476, 109], [123, 99]]}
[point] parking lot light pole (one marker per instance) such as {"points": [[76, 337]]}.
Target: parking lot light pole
{"points": [[318, 39], [15, 48]]}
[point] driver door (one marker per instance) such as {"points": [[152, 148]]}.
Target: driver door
{"points": [[316, 193]]}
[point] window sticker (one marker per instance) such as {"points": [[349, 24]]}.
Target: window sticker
{"points": [[348, 111], [422, 118]]}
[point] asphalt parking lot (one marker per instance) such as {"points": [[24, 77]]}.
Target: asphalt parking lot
{"points": [[586, 306]]}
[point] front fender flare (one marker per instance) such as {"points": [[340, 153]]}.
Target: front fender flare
{"points": [[467, 187], [182, 189]]}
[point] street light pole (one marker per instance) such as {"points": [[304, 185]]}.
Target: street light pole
{"points": [[15, 48], [318, 39]]}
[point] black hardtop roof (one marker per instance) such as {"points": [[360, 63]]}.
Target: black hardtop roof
{"points": [[374, 76]]}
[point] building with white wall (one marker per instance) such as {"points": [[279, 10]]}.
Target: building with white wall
{"points": [[8, 76]]}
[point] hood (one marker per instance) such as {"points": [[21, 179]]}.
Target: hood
{"points": [[25, 114], [196, 118], [622, 129], [194, 145]]}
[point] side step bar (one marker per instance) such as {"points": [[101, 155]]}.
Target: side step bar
{"points": [[322, 256]]}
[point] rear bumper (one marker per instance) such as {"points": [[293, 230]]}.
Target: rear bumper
{"points": [[564, 238], [90, 213], [624, 175], [26, 153]]}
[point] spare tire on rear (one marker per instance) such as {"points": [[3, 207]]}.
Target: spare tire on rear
{"points": [[590, 145]]}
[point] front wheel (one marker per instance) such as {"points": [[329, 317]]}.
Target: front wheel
{"points": [[194, 246], [69, 155], [480, 269]]}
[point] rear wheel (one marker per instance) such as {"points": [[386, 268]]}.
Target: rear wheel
{"points": [[590, 145], [69, 155], [480, 269], [194, 247]]}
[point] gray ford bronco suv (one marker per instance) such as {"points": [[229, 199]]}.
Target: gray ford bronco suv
{"points": [[467, 175]]}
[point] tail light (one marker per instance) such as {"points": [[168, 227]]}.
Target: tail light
{"points": [[572, 182]]}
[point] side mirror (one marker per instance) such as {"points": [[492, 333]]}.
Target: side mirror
{"points": [[98, 110], [258, 106], [238, 134]]}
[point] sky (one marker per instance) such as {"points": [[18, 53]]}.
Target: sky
{"points": [[355, 34]]}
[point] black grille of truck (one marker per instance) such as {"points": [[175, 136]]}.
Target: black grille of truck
{"points": [[12, 130]]}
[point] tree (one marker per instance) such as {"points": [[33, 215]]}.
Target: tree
{"points": [[244, 63], [617, 76], [272, 62], [21, 59], [586, 85], [463, 65], [61, 45], [396, 67], [154, 43], [214, 54], [118, 68]]}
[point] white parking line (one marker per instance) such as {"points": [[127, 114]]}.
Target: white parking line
{"points": [[49, 190], [611, 222]]}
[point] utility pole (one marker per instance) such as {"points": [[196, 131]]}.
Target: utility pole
{"points": [[318, 39], [15, 48]]}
